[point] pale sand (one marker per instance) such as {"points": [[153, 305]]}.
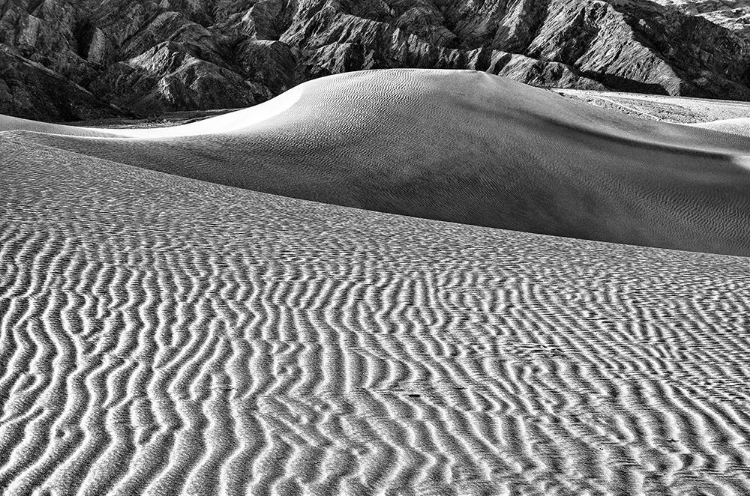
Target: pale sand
{"points": [[167, 335], [163, 335], [740, 126], [717, 115], [465, 147], [674, 109], [234, 121]]}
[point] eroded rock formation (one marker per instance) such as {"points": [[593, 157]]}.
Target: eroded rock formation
{"points": [[732, 14], [147, 57]]}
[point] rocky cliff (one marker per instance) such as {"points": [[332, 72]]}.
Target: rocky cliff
{"points": [[732, 14], [66, 59]]}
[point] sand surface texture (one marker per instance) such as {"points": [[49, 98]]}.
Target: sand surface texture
{"points": [[740, 125], [162, 335], [684, 110], [463, 147]]}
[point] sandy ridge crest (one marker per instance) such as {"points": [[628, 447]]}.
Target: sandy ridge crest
{"points": [[465, 147]]}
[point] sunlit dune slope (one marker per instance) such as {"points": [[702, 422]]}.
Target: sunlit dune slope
{"points": [[9, 123], [161, 335], [465, 147], [739, 126]]}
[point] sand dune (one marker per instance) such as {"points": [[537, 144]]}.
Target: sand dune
{"points": [[739, 126], [241, 120], [9, 123], [164, 335], [464, 147]]}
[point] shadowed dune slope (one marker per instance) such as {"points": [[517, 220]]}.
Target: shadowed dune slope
{"points": [[161, 335], [465, 147]]}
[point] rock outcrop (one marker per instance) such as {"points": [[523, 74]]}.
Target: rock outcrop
{"points": [[31, 90], [148, 57], [732, 14]]}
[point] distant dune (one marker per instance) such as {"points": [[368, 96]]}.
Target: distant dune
{"points": [[458, 146], [164, 335], [740, 126]]}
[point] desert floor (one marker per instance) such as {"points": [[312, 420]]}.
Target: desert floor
{"points": [[683, 110], [177, 317]]}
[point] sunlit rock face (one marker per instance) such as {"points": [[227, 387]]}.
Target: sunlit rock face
{"points": [[153, 56], [732, 14]]}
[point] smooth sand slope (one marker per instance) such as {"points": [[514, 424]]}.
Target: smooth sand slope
{"points": [[459, 146], [163, 335], [740, 126]]}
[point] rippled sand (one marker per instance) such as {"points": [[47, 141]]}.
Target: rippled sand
{"points": [[162, 334]]}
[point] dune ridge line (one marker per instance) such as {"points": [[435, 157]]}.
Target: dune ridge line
{"points": [[464, 147]]}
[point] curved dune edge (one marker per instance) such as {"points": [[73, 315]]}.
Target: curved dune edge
{"points": [[569, 114], [226, 123], [161, 335], [738, 126], [241, 120], [10, 124], [463, 147]]}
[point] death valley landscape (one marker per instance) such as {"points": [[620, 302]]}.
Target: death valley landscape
{"points": [[377, 247]]}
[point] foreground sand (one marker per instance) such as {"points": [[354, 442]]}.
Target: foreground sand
{"points": [[169, 335], [463, 147]]}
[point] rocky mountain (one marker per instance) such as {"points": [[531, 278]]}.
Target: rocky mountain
{"points": [[78, 59], [732, 14]]}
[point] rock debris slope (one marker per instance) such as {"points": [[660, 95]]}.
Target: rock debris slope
{"points": [[148, 56], [165, 335], [464, 147]]}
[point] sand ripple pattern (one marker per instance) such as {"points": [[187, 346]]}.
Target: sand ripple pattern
{"points": [[161, 335]]}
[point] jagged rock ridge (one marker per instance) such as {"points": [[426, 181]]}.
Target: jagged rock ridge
{"points": [[732, 14], [146, 57]]}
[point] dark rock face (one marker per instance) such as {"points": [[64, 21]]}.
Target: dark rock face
{"points": [[31, 90], [151, 56]]}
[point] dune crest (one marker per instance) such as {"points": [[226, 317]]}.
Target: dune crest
{"points": [[241, 120], [465, 147], [232, 122], [739, 126]]}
